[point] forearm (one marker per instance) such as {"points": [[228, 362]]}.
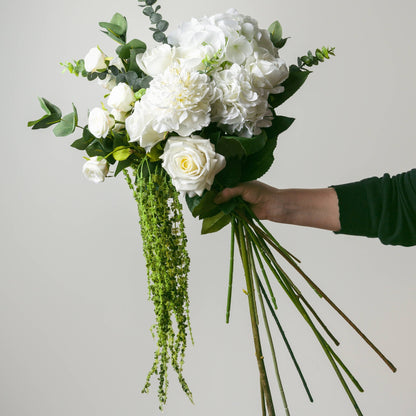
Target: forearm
{"points": [[308, 207]]}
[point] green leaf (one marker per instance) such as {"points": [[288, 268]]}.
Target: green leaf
{"points": [[259, 163], [233, 146], [122, 165], [53, 115], [231, 175], [132, 60], [120, 139], [121, 153], [137, 44], [215, 223], [276, 32], [295, 80], [123, 51], [117, 25], [67, 125], [203, 206], [95, 148]]}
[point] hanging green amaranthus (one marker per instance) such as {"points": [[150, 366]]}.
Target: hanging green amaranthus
{"points": [[167, 262]]}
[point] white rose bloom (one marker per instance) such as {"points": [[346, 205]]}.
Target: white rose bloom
{"points": [[190, 58], [192, 163], [154, 61], [121, 97], [140, 128], [95, 170], [109, 82], [238, 106], [118, 116], [95, 60], [100, 122], [179, 101], [267, 73]]}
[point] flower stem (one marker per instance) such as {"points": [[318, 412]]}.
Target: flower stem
{"points": [[254, 326], [231, 272]]}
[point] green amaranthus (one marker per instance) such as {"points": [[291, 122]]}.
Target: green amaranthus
{"points": [[167, 263]]}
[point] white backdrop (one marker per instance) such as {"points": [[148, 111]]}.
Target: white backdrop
{"points": [[74, 315]]}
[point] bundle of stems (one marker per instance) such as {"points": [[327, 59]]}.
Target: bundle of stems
{"points": [[256, 247]]}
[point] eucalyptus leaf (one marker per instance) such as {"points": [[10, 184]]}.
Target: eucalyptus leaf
{"points": [[162, 25], [215, 223], [123, 51], [137, 44], [53, 115], [67, 125]]}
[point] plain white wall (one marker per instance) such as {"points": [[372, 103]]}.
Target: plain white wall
{"points": [[74, 316]]}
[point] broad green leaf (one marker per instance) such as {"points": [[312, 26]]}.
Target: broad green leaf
{"points": [[67, 125], [205, 206], [295, 80], [82, 143], [53, 115], [95, 148], [115, 37], [215, 223], [259, 163], [233, 146], [114, 29], [132, 60], [122, 153], [276, 32], [231, 175], [123, 51], [120, 139]]}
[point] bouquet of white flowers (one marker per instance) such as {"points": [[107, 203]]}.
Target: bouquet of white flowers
{"points": [[191, 116]]}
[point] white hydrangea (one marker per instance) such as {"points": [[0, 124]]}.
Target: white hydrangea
{"points": [[238, 107], [179, 100], [155, 60]]}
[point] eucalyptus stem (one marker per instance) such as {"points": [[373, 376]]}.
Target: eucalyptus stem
{"points": [[256, 336], [231, 272]]}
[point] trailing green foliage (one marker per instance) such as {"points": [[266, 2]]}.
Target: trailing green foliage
{"points": [[167, 262], [77, 68]]}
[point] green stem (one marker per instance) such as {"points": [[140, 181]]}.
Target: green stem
{"points": [[231, 272], [256, 336], [266, 325]]}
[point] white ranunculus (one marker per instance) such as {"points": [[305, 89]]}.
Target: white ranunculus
{"points": [[118, 116], [121, 97], [100, 122], [140, 126], [154, 61], [267, 73], [95, 60], [95, 170], [179, 100], [192, 163]]}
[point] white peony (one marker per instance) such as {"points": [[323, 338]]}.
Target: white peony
{"points": [[95, 170], [140, 127], [179, 101], [267, 72], [100, 122], [154, 61], [95, 60], [121, 97], [192, 163]]}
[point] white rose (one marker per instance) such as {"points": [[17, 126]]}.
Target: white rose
{"points": [[95, 170], [100, 122], [121, 97], [192, 163], [140, 124], [154, 61], [118, 116], [95, 60], [109, 82]]}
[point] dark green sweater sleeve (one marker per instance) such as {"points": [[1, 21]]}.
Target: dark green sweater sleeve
{"points": [[380, 207]]}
